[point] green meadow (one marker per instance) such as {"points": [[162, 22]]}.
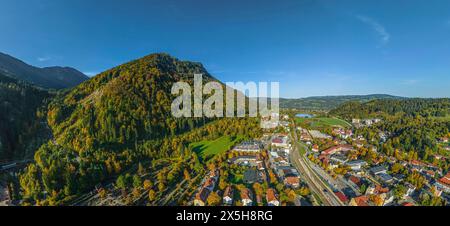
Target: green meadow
{"points": [[209, 148], [323, 122]]}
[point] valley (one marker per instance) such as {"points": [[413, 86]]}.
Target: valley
{"points": [[111, 141]]}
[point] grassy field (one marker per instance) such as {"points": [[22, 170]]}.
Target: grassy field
{"points": [[323, 122], [206, 149]]}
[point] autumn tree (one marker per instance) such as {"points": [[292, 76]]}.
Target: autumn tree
{"points": [[214, 199], [151, 195]]}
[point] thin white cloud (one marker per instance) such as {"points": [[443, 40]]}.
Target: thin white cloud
{"points": [[377, 27], [44, 59]]}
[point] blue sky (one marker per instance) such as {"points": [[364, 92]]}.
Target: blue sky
{"points": [[312, 48]]}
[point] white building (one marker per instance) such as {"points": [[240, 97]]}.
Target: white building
{"points": [[228, 196]]}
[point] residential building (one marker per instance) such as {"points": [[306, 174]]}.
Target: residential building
{"points": [[259, 200], [342, 133], [281, 141], [407, 204], [444, 183], [249, 146], [315, 148], [286, 171], [355, 181], [272, 197], [360, 201], [246, 197], [201, 197], [378, 170], [204, 192], [339, 158], [338, 148], [409, 190], [228, 196], [292, 182], [385, 178], [246, 160], [341, 196], [318, 135], [356, 165], [376, 190]]}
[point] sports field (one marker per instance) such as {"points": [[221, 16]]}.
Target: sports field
{"points": [[209, 148], [323, 122]]}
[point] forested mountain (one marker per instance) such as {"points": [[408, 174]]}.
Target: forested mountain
{"points": [[48, 77], [22, 127], [408, 107], [329, 102], [110, 123], [131, 102]]}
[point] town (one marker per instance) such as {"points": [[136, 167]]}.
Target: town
{"points": [[254, 173], [332, 167]]}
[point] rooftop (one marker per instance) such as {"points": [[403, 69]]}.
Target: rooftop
{"points": [[362, 200], [250, 176], [271, 195], [341, 196], [246, 194]]}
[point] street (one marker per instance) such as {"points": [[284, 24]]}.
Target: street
{"points": [[311, 177]]}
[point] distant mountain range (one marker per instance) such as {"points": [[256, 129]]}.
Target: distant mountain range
{"points": [[329, 102], [48, 77]]}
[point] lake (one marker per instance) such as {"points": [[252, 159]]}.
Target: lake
{"points": [[304, 116]]}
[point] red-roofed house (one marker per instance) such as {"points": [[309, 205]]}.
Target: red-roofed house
{"points": [[381, 190], [292, 182], [315, 148], [341, 196], [355, 180], [444, 183], [339, 148], [271, 197], [360, 201], [280, 141]]}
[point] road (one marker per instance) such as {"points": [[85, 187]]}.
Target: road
{"points": [[311, 177], [13, 166]]}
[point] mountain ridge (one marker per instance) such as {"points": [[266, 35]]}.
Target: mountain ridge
{"points": [[330, 102], [54, 77]]}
